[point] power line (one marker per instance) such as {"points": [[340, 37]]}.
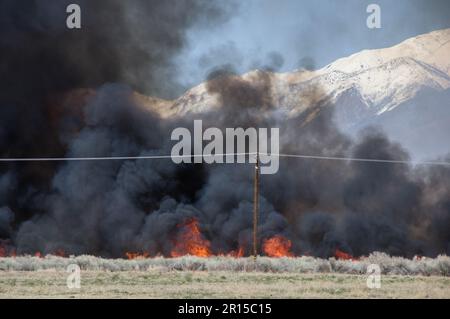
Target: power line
{"points": [[149, 157], [355, 159], [113, 158]]}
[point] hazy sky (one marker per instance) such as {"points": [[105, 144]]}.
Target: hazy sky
{"points": [[286, 34]]}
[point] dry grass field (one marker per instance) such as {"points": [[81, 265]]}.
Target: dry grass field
{"points": [[202, 284], [221, 277]]}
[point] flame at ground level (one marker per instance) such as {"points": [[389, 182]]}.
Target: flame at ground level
{"points": [[339, 254], [190, 241], [8, 250], [277, 246], [131, 255], [235, 253]]}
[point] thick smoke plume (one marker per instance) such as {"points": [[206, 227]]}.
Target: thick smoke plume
{"points": [[108, 208]]}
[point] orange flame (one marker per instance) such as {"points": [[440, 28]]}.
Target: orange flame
{"points": [[339, 254], [277, 246], [6, 250], [190, 241], [238, 253], [131, 255]]}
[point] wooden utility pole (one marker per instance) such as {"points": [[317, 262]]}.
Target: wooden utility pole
{"points": [[256, 208]]}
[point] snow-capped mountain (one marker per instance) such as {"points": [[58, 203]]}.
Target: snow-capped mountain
{"points": [[382, 79], [364, 88]]}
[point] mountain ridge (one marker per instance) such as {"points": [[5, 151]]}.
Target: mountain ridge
{"points": [[363, 89], [385, 77]]}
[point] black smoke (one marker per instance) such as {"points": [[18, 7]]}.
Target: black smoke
{"points": [[42, 61], [109, 207]]}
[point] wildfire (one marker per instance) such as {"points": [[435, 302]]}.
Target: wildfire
{"points": [[131, 255], [277, 246], [339, 254], [6, 250], [238, 253], [190, 241], [38, 254]]}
